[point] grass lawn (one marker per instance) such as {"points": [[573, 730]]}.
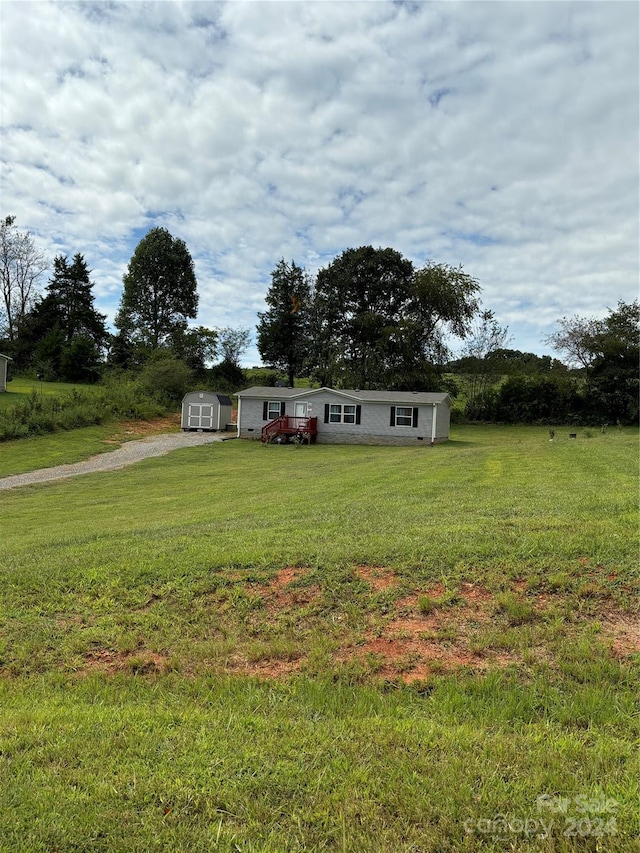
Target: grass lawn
{"points": [[18, 389], [275, 648]]}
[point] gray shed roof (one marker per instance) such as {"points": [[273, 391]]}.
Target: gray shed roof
{"points": [[262, 392]]}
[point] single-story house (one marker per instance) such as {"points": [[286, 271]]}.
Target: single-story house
{"points": [[206, 410], [4, 364], [327, 415]]}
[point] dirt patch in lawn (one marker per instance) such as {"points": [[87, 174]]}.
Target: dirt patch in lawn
{"points": [[423, 632], [283, 592], [135, 429], [429, 631], [377, 577], [623, 631], [109, 662]]}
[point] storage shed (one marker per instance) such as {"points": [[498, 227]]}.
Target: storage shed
{"points": [[206, 410], [4, 363]]}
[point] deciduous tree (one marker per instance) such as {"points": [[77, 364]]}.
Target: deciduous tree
{"points": [[378, 323], [22, 265], [160, 291], [609, 350]]}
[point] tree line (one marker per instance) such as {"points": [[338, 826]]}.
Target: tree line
{"points": [[369, 319], [58, 334]]}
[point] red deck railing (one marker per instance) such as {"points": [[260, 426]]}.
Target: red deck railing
{"points": [[287, 426]]}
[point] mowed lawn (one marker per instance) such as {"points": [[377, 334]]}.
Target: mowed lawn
{"points": [[279, 648]]}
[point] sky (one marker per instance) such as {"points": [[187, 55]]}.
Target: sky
{"points": [[500, 136]]}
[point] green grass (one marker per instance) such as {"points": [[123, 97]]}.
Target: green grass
{"points": [[46, 451], [19, 389], [193, 650]]}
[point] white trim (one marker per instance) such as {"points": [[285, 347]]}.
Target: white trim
{"points": [[433, 423]]}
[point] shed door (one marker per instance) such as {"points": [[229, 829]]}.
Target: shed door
{"points": [[200, 416]]}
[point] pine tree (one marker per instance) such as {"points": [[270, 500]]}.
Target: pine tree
{"points": [[283, 330], [64, 335]]}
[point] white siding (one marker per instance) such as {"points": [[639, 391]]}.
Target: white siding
{"points": [[374, 426]]}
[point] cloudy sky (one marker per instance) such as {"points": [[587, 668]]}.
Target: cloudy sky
{"points": [[502, 136]]}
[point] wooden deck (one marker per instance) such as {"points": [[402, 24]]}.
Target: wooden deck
{"points": [[287, 427]]}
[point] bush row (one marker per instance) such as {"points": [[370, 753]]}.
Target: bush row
{"points": [[555, 400], [40, 414]]}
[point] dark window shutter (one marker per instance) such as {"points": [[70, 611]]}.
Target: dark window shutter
{"points": [[392, 419], [283, 406], [415, 416], [358, 413], [326, 413], [265, 409]]}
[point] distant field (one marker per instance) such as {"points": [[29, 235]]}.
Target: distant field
{"points": [[274, 648], [18, 389]]}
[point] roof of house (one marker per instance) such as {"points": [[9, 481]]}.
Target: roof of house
{"points": [[262, 392], [8, 357]]}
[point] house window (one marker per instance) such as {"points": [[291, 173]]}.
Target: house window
{"points": [[349, 414], [335, 413], [404, 416], [272, 409]]}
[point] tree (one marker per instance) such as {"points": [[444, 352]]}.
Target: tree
{"points": [[283, 330], [575, 339], [166, 377], [21, 266], [160, 291], [378, 323], [614, 383], [228, 376], [71, 292], [360, 299], [195, 347], [233, 343], [445, 301], [485, 338], [63, 334], [609, 350]]}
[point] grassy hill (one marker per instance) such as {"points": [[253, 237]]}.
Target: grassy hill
{"points": [[248, 647]]}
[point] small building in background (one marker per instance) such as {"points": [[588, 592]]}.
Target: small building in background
{"points": [[4, 366], [206, 410]]}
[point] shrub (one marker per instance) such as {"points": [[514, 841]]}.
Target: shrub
{"points": [[116, 400]]}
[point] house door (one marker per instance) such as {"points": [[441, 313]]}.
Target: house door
{"points": [[300, 410]]}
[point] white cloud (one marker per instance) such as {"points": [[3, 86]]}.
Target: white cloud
{"points": [[500, 135]]}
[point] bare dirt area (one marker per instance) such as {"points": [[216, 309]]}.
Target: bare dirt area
{"points": [[623, 632], [126, 430], [424, 632]]}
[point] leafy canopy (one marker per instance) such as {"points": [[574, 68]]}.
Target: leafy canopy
{"points": [[160, 291]]}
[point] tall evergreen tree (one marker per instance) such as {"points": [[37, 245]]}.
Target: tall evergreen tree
{"points": [[160, 291], [63, 335], [72, 291], [283, 330]]}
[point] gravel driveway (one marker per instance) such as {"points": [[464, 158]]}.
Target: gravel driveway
{"points": [[132, 451]]}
